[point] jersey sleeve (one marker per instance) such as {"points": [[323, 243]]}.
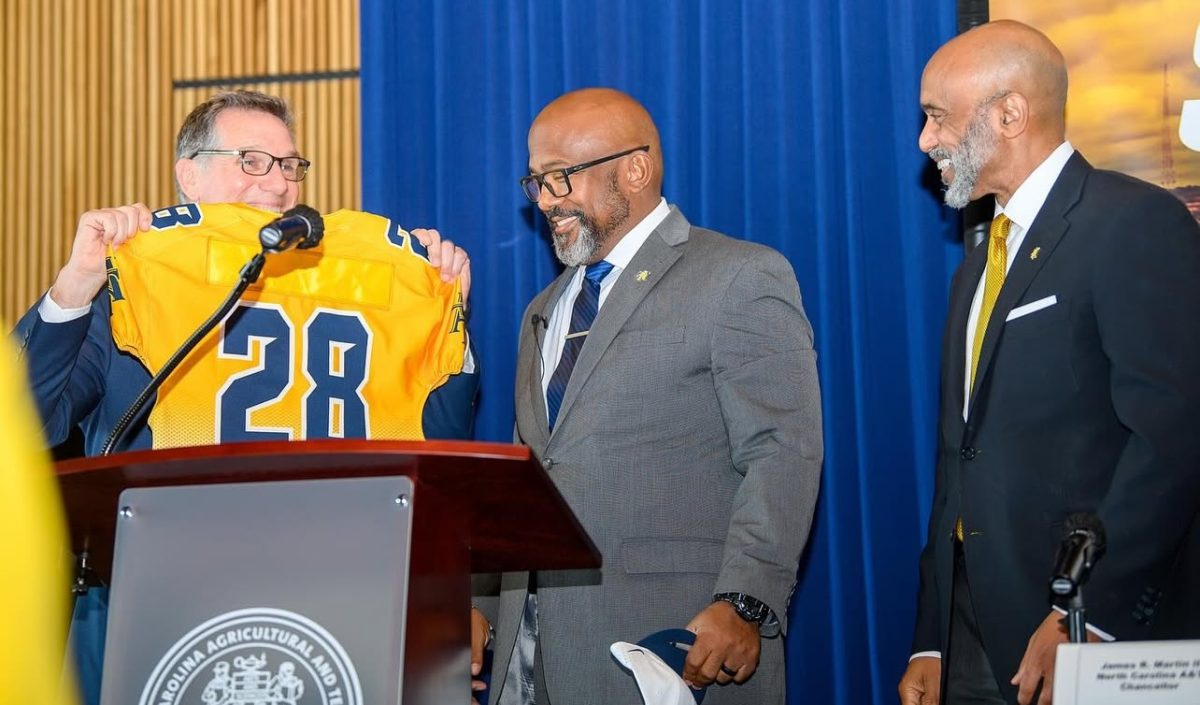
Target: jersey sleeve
{"points": [[447, 347], [125, 331]]}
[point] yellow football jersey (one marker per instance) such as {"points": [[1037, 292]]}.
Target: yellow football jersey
{"points": [[344, 340]]}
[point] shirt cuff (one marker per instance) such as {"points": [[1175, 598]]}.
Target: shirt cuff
{"points": [[51, 312], [1095, 630], [468, 358], [925, 654]]}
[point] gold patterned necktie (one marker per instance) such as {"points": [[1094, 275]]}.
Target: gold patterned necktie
{"points": [[993, 279]]}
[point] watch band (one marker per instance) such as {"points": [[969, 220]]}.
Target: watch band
{"points": [[747, 607]]}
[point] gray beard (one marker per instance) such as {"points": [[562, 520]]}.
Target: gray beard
{"points": [[582, 250], [977, 147], [591, 237]]}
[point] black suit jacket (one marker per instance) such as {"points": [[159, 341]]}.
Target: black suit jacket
{"points": [[1091, 403]]}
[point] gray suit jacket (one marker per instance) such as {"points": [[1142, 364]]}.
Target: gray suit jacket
{"points": [[689, 445]]}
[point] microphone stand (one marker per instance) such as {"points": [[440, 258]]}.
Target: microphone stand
{"points": [[1076, 618], [1081, 548], [249, 273]]}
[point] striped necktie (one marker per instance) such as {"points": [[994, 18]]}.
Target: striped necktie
{"points": [[587, 304], [993, 279]]}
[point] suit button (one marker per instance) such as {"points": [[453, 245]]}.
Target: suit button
{"points": [[968, 453], [548, 463]]}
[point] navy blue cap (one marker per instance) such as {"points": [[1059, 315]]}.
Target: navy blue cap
{"points": [[671, 645]]}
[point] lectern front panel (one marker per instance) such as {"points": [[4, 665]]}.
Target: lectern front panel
{"points": [[289, 593]]}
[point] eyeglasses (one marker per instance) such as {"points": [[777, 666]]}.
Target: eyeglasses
{"points": [[558, 182], [256, 163]]}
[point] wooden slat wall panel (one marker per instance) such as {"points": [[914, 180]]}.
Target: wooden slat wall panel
{"points": [[89, 114]]}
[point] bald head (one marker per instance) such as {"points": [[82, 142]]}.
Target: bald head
{"points": [[1007, 56], [600, 121]]}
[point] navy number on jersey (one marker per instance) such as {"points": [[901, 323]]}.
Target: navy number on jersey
{"points": [[185, 214], [338, 346], [335, 349]]}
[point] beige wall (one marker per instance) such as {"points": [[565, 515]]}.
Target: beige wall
{"points": [[90, 106]]}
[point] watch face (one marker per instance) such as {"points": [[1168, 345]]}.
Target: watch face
{"points": [[753, 612], [746, 607]]}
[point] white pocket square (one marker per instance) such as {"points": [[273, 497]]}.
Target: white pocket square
{"points": [[1031, 307]]}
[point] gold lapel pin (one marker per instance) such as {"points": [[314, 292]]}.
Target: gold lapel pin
{"points": [[1034, 254], [643, 275]]}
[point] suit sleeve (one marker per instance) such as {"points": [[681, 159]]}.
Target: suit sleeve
{"points": [[66, 363], [1146, 289], [927, 635], [450, 409], [765, 373]]}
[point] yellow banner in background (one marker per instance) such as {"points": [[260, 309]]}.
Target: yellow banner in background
{"points": [[1134, 99]]}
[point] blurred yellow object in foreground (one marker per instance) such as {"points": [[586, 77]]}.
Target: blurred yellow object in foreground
{"points": [[33, 558]]}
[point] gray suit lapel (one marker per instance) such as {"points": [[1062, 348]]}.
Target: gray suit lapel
{"points": [[654, 258]]}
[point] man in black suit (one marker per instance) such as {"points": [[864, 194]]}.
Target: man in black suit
{"points": [[1070, 383]]}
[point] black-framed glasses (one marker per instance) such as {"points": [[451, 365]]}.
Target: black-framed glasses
{"points": [[258, 163], [558, 181]]}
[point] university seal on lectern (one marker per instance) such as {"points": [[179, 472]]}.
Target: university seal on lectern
{"points": [[257, 656]]}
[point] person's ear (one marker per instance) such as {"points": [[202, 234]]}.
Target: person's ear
{"points": [[639, 171], [187, 174], [1014, 114]]}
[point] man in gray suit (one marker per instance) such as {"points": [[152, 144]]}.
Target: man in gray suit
{"points": [[668, 384]]}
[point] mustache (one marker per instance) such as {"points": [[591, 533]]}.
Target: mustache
{"points": [[559, 212], [937, 154]]}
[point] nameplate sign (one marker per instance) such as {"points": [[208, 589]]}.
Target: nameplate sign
{"points": [[1128, 673]]}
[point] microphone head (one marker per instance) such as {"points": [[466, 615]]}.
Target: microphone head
{"points": [[1082, 546], [316, 224], [1090, 523]]}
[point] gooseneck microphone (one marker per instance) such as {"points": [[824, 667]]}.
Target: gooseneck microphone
{"points": [[1082, 546], [301, 227]]}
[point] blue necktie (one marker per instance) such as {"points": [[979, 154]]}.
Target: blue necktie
{"points": [[587, 303]]}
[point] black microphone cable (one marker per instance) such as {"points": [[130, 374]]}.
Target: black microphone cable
{"points": [[534, 320]]}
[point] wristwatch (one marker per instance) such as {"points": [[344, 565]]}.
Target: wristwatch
{"points": [[748, 608]]}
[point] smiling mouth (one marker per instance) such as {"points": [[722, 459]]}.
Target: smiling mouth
{"points": [[562, 225]]}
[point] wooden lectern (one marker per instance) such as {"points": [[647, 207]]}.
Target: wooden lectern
{"points": [[266, 571]]}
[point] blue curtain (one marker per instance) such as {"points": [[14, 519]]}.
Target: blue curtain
{"points": [[790, 123]]}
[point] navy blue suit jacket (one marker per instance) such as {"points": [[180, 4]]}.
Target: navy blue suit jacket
{"points": [[1087, 401]]}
